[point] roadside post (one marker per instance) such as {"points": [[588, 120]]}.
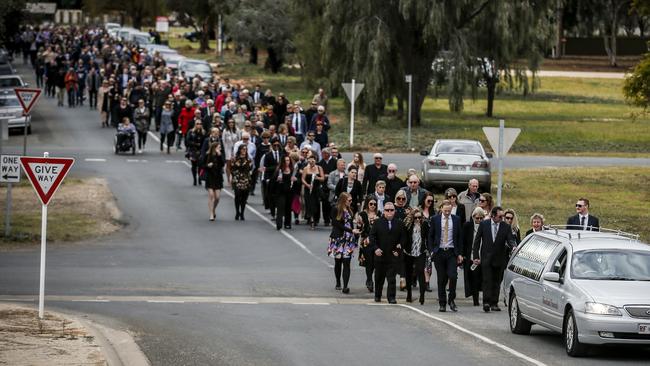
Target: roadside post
{"points": [[352, 90], [501, 140], [27, 98], [45, 174], [409, 79], [9, 173]]}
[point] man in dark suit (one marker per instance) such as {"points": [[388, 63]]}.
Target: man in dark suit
{"points": [[328, 163], [446, 247], [493, 242], [373, 173], [298, 125], [269, 162], [582, 220], [386, 237]]}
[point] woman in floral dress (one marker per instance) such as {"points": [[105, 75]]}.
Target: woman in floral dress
{"points": [[343, 240], [241, 180]]}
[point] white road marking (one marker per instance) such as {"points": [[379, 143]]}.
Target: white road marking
{"points": [[476, 335], [310, 303], [136, 161], [153, 136], [90, 300], [165, 302], [95, 160], [240, 302], [174, 161], [282, 231]]}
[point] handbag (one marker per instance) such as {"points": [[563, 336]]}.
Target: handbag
{"points": [[295, 205]]}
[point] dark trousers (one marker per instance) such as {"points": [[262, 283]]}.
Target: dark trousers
{"points": [[385, 270], [80, 94], [254, 177], [157, 117], [195, 170], [327, 209], [170, 140], [92, 98], [283, 209], [414, 265], [142, 139], [72, 97], [312, 206], [446, 271], [342, 265], [492, 277], [241, 198], [369, 263]]}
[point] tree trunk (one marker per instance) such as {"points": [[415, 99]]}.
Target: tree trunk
{"points": [[204, 41], [273, 61], [491, 88], [252, 58], [559, 10], [400, 108]]}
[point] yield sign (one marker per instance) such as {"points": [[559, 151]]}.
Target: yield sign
{"points": [[27, 98], [509, 137], [347, 87], [46, 174]]}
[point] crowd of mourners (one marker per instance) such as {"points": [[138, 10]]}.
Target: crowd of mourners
{"points": [[240, 137]]}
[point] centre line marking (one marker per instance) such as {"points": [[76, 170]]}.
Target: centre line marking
{"points": [[165, 302], [476, 335], [310, 303], [95, 160], [239, 302]]}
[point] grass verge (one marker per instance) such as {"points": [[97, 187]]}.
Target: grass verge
{"points": [[618, 196], [82, 209]]}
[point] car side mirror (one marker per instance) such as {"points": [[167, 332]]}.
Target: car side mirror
{"points": [[424, 153], [551, 277], [26, 85], [489, 155]]}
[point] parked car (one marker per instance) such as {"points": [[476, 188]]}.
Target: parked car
{"points": [[455, 162], [9, 82], [592, 287], [172, 58], [194, 36], [11, 110], [193, 67], [6, 69], [140, 38], [110, 26]]}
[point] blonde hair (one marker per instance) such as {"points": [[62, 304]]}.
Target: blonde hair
{"points": [[341, 203]]}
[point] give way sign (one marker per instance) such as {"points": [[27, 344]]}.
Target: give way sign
{"points": [[27, 98], [46, 174]]}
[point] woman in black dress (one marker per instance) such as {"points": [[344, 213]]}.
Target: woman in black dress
{"points": [[282, 187], [194, 142], [473, 278], [417, 232], [213, 165], [241, 179], [352, 186], [365, 219], [312, 177]]}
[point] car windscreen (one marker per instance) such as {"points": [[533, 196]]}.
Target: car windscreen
{"points": [[621, 264], [456, 147], [196, 67], [9, 82], [9, 102]]}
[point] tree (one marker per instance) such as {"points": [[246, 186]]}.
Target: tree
{"points": [[140, 12], [636, 87], [201, 15], [263, 24], [11, 13]]}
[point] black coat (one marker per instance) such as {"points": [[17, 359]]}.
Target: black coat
{"points": [[357, 197], [470, 278], [338, 225], [573, 223], [387, 240], [371, 175], [436, 234], [493, 252], [424, 233]]}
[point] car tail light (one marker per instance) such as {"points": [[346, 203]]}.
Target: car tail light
{"points": [[481, 164], [437, 162]]}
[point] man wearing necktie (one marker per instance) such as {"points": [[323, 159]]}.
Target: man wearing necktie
{"points": [[582, 220], [446, 247], [493, 242], [299, 124], [269, 163], [386, 237]]}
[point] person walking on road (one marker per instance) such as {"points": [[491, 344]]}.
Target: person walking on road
{"points": [[386, 238], [142, 124], [167, 132], [365, 219], [469, 198], [446, 247], [241, 179], [472, 278], [351, 186], [231, 134], [312, 178], [71, 86], [373, 173], [194, 142], [213, 165], [343, 240], [282, 183], [415, 246], [491, 246]]}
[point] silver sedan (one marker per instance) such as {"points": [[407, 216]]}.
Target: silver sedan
{"points": [[592, 287], [455, 162]]}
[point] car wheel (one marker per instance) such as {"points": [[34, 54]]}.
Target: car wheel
{"points": [[571, 342], [518, 324]]}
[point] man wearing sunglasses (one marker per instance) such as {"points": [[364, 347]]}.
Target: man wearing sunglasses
{"points": [[582, 220], [386, 237], [373, 173]]}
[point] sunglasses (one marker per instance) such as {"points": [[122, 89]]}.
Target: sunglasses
{"points": [[389, 209], [508, 217], [417, 217], [378, 158], [392, 171], [478, 217], [401, 198], [452, 196], [429, 201], [482, 200], [372, 204], [578, 205]]}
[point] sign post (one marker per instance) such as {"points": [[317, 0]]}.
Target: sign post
{"points": [[501, 140], [162, 24], [352, 90], [409, 79], [9, 173], [27, 98], [45, 174]]}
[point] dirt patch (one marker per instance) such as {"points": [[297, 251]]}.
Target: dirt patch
{"points": [[27, 340], [82, 209]]}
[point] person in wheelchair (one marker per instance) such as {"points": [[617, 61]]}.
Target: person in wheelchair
{"points": [[125, 134]]}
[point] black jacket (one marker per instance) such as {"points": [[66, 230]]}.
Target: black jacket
{"points": [[424, 233], [436, 234], [371, 175], [338, 225], [493, 252], [573, 223], [387, 240], [357, 197]]}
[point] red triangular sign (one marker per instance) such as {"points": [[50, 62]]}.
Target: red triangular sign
{"points": [[27, 98], [46, 174]]}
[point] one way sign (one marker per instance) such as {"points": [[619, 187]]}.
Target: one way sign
{"points": [[46, 174], [9, 168]]}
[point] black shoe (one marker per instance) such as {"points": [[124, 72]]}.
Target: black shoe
{"points": [[421, 300], [278, 227], [392, 302], [443, 308], [287, 226], [237, 217], [369, 286], [476, 302], [409, 299], [297, 222], [428, 288], [346, 290], [377, 299], [338, 288], [495, 308], [486, 308], [452, 306]]}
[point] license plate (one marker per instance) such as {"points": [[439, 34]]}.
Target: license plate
{"points": [[644, 328], [457, 167]]}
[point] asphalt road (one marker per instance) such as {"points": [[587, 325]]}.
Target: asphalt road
{"points": [[196, 292]]}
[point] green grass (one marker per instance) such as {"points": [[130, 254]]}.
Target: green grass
{"points": [[563, 116], [618, 196]]}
